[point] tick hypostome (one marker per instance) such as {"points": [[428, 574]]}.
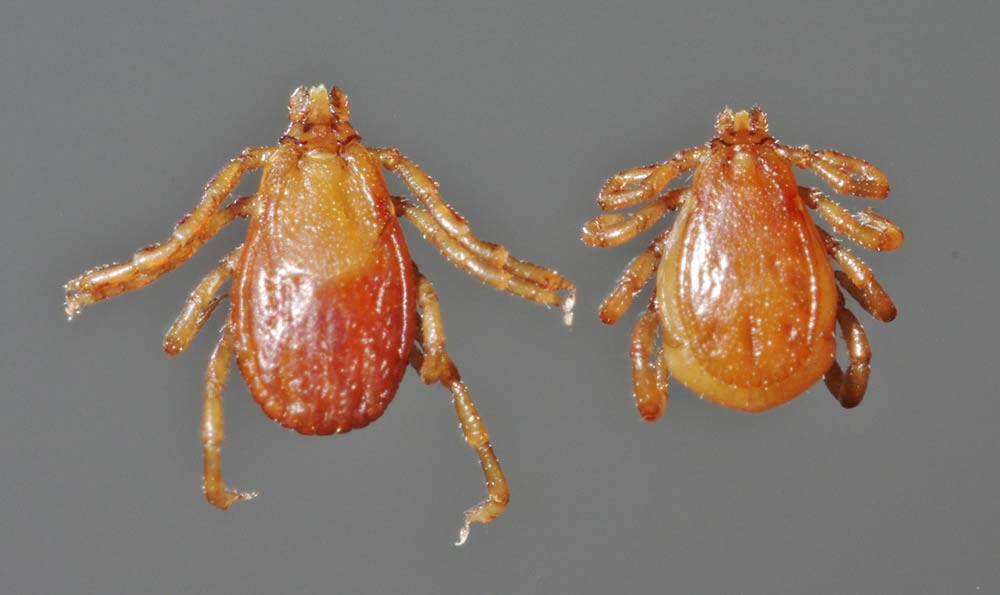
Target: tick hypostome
{"points": [[326, 303], [746, 301]]}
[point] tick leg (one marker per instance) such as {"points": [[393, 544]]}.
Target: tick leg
{"points": [[212, 433], [849, 388], [859, 281], [200, 305], [632, 280], [649, 381], [435, 364], [424, 188], [520, 278], [613, 229], [847, 175], [431, 340], [529, 281], [640, 184], [190, 233], [868, 229]]}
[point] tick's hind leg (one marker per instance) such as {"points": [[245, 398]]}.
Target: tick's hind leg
{"points": [[190, 233], [435, 363], [849, 387], [649, 381], [212, 433], [431, 341]]}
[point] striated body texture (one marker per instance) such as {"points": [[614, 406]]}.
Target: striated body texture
{"points": [[748, 299], [323, 299], [328, 309]]}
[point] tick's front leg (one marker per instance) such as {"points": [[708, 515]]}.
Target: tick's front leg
{"points": [[190, 233], [431, 340], [640, 184], [848, 175], [212, 434]]}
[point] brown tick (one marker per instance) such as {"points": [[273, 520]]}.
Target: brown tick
{"points": [[746, 300], [326, 303]]}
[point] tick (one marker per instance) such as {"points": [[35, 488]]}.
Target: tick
{"points": [[327, 306], [746, 300]]}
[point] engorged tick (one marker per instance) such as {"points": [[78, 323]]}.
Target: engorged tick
{"points": [[326, 303], [746, 300]]}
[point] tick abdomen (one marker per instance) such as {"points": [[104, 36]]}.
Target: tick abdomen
{"points": [[748, 300], [324, 296]]}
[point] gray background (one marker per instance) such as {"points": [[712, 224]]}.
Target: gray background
{"points": [[115, 114]]}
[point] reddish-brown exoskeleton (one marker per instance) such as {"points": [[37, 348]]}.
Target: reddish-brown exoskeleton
{"points": [[326, 303], [746, 300]]}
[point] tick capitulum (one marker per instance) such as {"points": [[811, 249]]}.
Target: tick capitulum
{"points": [[326, 303], [746, 301]]}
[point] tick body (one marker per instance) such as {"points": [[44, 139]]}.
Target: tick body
{"points": [[328, 309], [746, 301], [324, 299]]}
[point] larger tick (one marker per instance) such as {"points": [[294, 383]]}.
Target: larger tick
{"points": [[326, 303], [746, 300]]}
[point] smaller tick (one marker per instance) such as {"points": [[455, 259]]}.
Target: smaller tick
{"points": [[327, 306], [746, 301]]}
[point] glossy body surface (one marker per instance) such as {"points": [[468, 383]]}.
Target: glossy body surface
{"points": [[324, 296], [746, 300], [328, 308], [748, 297]]}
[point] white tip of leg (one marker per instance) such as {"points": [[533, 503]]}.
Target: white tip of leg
{"points": [[568, 309], [463, 534]]}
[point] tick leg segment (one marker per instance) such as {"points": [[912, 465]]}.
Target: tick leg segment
{"points": [[859, 281], [849, 388], [212, 433], [523, 279], [444, 220], [200, 305], [640, 184], [613, 229], [847, 175], [648, 381], [431, 340], [632, 280], [190, 233], [424, 188], [866, 228], [436, 364]]}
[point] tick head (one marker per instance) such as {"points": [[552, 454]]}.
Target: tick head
{"points": [[742, 127], [314, 112]]}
